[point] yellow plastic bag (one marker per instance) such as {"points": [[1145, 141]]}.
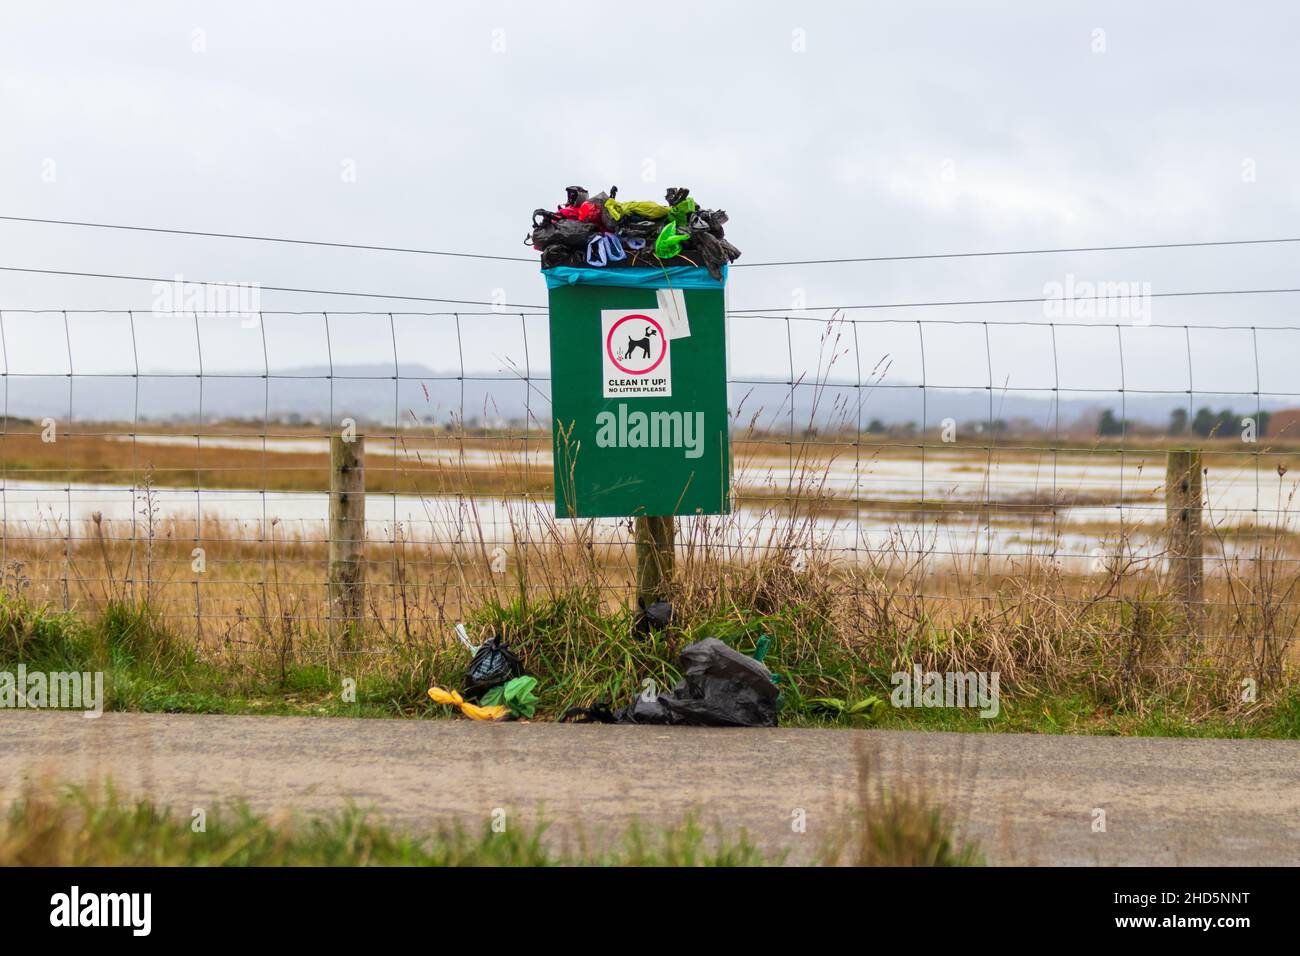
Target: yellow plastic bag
{"points": [[644, 208], [472, 711]]}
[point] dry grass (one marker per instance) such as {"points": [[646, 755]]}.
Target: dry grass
{"points": [[909, 823], [90, 459], [561, 596]]}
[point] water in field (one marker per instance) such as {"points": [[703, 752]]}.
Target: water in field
{"points": [[1102, 508], [1093, 486]]}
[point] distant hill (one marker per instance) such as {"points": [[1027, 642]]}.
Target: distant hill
{"points": [[370, 394]]}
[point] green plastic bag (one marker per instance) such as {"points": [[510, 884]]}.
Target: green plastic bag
{"points": [[516, 694], [670, 241], [680, 213]]}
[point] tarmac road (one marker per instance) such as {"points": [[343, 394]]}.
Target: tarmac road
{"points": [[1025, 798]]}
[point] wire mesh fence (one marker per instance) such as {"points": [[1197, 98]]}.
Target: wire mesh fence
{"points": [[183, 459]]}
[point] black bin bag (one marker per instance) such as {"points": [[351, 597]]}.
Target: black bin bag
{"points": [[493, 664], [722, 688]]}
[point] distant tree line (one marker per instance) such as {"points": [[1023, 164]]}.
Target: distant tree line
{"points": [[1109, 424], [1206, 423]]}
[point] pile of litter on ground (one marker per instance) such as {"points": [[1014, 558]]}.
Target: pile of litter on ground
{"points": [[720, 687]]}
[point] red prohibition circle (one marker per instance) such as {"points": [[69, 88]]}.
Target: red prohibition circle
{"points": [[609, 342]]}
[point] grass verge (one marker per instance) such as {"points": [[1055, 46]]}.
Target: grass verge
{"points": [[81, 828], [1082, 678]]}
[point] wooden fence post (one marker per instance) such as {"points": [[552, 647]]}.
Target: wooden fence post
{"points": [[347, 539], [1183, 495], [654, 558]]}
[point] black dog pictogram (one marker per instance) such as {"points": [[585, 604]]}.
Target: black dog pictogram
{"points": [[643, 344]]}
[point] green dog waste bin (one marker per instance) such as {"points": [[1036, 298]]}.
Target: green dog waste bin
{"points": [[639, 391]]}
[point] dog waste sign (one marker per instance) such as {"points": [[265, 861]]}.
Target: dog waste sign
{"points": [[639, 392], [635, 366]]}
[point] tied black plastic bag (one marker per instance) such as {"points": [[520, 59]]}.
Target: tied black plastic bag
{"points": [[553, 256], [717, 218], [493, 664], [713, 253], [632, 227], [722, 688], [574, 234], [655, 617]]}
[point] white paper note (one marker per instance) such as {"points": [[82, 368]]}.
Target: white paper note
{"points": [[672, 303]]}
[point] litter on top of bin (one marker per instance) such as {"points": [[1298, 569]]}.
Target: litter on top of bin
{"points": [[605, 232]]}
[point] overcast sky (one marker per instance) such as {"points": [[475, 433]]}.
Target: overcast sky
{"points": [[824, 129]]}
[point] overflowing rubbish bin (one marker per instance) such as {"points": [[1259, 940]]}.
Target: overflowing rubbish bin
{"points": [[638, 336]]}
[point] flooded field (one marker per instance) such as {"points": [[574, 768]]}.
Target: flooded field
{"points": [[861, 504]]}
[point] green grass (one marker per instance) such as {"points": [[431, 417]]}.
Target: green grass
{"points": [[147, 669], [99, 828], [80, 829], [1080, 714], [582, 653]]}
